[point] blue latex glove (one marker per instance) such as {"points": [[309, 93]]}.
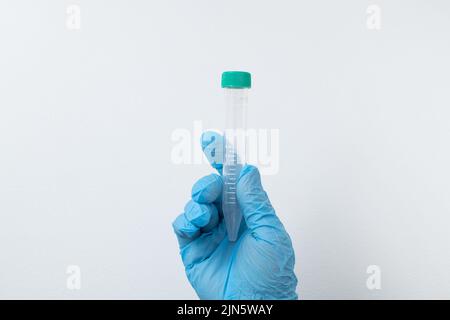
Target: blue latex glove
{"points": [[260, 264]]}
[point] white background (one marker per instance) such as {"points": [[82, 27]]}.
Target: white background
{"points": [[86, 118]]}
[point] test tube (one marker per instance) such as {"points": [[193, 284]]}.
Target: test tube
{"points": [[235, 85]]}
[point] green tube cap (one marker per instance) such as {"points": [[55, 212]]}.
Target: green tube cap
{"points": [[236, 79]]}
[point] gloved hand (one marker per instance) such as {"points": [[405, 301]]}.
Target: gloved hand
{"points": [[260, 264]]}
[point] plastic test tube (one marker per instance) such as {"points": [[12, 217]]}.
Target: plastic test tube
{"points": [[235, 85]]}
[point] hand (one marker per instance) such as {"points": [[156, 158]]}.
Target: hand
{"points": [[259, 265]]}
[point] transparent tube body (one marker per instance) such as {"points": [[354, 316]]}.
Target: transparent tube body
{"points": [[234, 157]]}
